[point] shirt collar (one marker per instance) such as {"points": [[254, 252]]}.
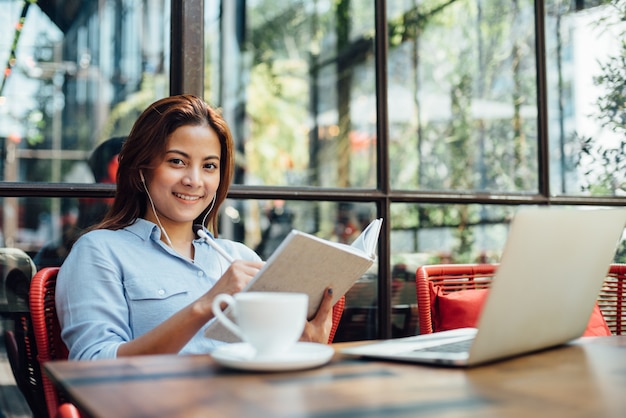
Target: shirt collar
{"points": [[145, 229]]}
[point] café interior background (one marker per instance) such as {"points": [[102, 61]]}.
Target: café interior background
{"points": [[441, 116]]}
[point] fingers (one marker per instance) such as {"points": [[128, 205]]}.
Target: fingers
{"points": [[318, 328], [326, 306], [238, 275], [245, 268]]}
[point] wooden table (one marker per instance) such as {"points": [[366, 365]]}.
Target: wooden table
{"points": [[584, 379]]}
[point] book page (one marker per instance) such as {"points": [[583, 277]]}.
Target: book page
{"points": [[367, 241], [308, 264]]}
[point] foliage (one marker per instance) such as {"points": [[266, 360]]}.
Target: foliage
{"points": [[480, 56], [35, 124], [620, 255], [612, 105], [607, 162], [276, 107], [435, 43], [606, 175], [121, 118]]}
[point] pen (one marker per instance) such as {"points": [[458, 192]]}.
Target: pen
{"points": [[202, 234]]}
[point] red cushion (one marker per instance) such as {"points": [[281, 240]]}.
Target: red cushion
{"points": [[457, 309], [597, 326], [462, 308]]}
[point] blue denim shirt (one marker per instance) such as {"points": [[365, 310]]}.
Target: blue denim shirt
{"points": [[117, 285]]}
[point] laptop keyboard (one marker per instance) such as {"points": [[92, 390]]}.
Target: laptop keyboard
{"points": [[455, 347]]}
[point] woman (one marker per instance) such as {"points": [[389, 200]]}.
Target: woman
{"points": [[140, 282]]}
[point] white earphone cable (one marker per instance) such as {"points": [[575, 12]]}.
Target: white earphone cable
{"points": [[209, 211], [167, 237]]}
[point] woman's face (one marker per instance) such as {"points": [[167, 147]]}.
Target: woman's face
{"points": [[186, 179]]}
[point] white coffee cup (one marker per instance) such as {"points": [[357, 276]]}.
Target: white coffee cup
{"points": [[271, 322]]}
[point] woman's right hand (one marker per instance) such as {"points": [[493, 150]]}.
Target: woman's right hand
{"points": [[238, 275]]}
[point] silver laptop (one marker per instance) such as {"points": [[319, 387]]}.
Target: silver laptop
{"points": [[551, 271]]}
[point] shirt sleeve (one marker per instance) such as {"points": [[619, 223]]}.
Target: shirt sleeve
{"points": [[90, 301]]}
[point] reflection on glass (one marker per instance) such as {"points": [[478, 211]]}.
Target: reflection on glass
{"points": [[263, 224], [75, 76], [462, 95], [297, 86], [433, 234], [80, 75], [585, 59]]}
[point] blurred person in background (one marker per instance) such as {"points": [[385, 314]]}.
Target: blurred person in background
{"points": [[103, 163]]}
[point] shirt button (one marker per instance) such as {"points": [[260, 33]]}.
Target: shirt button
{"points": [[161, 292], [200, 273]]}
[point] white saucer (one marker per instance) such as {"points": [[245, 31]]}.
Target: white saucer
{"points": [[301, 356]]}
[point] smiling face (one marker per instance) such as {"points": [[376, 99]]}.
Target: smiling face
{"points": [[185, 180]]}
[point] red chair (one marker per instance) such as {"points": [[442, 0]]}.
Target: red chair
{"points": [[612, 299], [48, 340], [448, 278], [67, 410], [337, 313]]}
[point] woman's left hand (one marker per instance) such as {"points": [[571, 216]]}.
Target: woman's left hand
{"points": [[318, 329]]}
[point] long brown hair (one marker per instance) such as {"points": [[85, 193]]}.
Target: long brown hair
{"points": [[147, 141]]}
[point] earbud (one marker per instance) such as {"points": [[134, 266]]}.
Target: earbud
{"points": [[143, 179]]}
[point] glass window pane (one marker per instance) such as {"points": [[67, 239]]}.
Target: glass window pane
{"points": [[586, 65], [462, 95], [297, 85], [82, 73], [263, 224], [432, 234], [447, 234], [439, 234], [31, 223], [45, 229]]}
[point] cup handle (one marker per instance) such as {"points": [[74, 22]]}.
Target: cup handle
{"points": [[221, 316]]}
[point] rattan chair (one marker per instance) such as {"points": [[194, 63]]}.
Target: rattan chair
{"points": [[47, 333], [337, 314], [450, 278], [612, 299]]}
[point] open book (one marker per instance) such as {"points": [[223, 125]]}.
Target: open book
{"points": [[309, 264]]}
